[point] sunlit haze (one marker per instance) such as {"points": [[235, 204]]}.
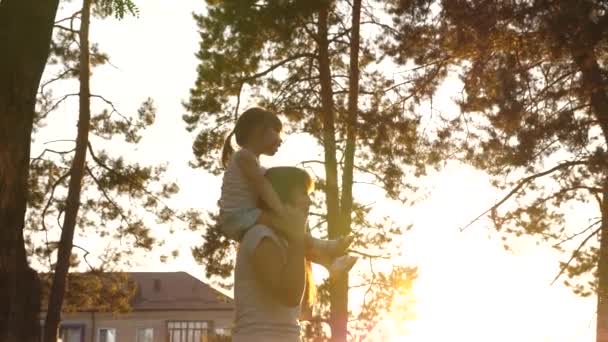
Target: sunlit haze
{"points": [[469, 287]]}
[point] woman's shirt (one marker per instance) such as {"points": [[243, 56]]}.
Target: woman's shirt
{"points": [[260, 316]]}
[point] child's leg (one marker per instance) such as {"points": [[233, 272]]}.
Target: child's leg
{"points": [[322, 253], [235, 223]]}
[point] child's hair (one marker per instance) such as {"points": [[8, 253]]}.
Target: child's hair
{"points": [[251, 119], [285, 180]]}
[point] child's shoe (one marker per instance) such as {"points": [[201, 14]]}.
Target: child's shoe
{"points": [[341, 265]]}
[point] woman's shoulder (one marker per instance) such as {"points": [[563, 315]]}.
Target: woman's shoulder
{"points": [[259, 230]]}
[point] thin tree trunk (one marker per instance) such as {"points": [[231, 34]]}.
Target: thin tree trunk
{"points": [[346, 205], [25, 34], [338, 285], [76, 175], [329, 138]]}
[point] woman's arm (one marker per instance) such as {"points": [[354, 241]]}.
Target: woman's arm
{"points": [[286, 279]]}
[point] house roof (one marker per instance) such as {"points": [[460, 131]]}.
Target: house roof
{"points": [[176, 291], [154, 291]]}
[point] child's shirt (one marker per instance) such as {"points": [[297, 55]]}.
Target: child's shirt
{"points": [[236, 192]]}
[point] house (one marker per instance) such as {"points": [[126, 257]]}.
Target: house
{"points": [[166, 307]]}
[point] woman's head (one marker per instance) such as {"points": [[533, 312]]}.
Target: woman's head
{"points": [[293, 185], [258, 128]]}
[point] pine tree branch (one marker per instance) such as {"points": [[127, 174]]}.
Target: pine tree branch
{"points": [[574, 254], [277, 65], [523, 182], [105, 194], [51, 197], [135, 184]]}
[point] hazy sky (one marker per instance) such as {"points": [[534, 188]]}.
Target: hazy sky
{"points": [[469, 287]]}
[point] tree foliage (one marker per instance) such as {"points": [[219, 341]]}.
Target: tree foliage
{"points": [[532, 113], [121, 200]]}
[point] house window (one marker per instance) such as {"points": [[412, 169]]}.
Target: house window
{"points": [[188, 331], [106, 335], [71, 332], [222, 334], [145, 335]]}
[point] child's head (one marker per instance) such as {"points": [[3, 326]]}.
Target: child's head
{"points": [[258, 129]]}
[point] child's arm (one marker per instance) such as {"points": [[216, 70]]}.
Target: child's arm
{"points": [[262, 187]]}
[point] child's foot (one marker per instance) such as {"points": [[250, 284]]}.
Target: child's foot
{"points": [[342, 264], [336, 247]]}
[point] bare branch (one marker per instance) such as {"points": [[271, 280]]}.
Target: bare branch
{"points": [[574, 254], [523, 183], [111, 104], [46, 208], [52, 151], [66, 29], [56, 78], [72, 17], [371, 256], [278, 65], [60, 140], [86, 252], [311, 162], [382, 25], [579, 233], [54, 106]]}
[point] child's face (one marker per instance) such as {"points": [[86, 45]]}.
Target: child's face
{"points": [[271, 141]]}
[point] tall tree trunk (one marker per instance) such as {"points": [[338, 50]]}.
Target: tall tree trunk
{"points": [[339, 285], [594, 88], [25, 34], [76, 174], [346, 204], [338, 294]]}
